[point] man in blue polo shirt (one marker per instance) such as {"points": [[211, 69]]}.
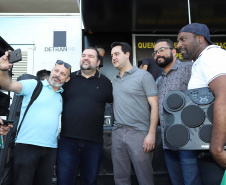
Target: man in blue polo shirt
{"points": [[36, 143]]}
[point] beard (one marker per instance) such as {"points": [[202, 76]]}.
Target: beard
{"points": [[187, 55], [166, 62], [89, 67], [85, 68], [55, 84]]}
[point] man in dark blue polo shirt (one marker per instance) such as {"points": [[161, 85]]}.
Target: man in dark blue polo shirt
{"points": [[80, 144]]}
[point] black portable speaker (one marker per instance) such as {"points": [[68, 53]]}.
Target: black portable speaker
{"points": [[188, 119]]}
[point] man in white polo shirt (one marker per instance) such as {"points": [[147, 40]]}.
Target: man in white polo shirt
{"points": [[209, 70]]}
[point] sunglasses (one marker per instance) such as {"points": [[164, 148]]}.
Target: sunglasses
{"points": [[60, 62]]}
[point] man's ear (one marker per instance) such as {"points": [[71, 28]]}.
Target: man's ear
{"points": [[98, 63], [174, 52], [201, 39], [68, 78], [127, 55]]}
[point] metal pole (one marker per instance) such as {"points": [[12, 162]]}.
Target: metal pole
{"points": [[134, 49], [189, 12], [81, 22]]}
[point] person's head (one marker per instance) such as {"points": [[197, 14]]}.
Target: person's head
{"points": [[164, 52], [192, 40], [101, 51], [43, 74], [120, 53], [60, 74], [90, 59]]}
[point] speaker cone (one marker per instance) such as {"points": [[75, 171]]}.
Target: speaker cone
{"points": [[175, 102], [205, 133], [177, 135], [192, 116]]}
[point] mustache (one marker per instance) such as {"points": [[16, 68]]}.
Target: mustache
{"points": [[160, 57], [56, 78], [86, 60], [179, 49]]}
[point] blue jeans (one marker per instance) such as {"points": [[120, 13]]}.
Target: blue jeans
{"points": [[74, 153], [182, 167]]}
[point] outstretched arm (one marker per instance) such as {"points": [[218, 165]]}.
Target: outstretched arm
{"points": [[5, 80]]}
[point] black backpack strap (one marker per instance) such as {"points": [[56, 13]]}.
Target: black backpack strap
{"points": [[34, 96]]}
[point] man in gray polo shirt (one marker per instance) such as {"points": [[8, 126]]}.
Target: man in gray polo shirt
{"points": [[136, 118]]}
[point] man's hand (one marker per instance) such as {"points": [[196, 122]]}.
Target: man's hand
{"points": [[5, 79], [4, 129], [149, 143], [4, 62]]}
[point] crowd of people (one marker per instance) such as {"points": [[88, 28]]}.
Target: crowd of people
{"points": [[137, 95]]}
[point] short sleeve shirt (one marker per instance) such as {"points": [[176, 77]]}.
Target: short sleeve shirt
{"points": [[130, 93], [40, 125], [210, 64], [175, 80]]}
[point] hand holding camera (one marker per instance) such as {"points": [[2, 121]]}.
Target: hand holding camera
{"points": [[9, 58]]}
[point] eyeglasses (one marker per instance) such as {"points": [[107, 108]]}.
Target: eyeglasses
{"points": [[160, 50], [60, 62]]}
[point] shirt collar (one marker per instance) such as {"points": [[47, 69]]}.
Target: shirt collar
{"points": [[96, 75], [131, 71], [45, 83], [207, 48], [174, 67]]}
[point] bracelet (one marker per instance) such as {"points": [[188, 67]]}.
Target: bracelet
{"points": [[3, 69]]}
